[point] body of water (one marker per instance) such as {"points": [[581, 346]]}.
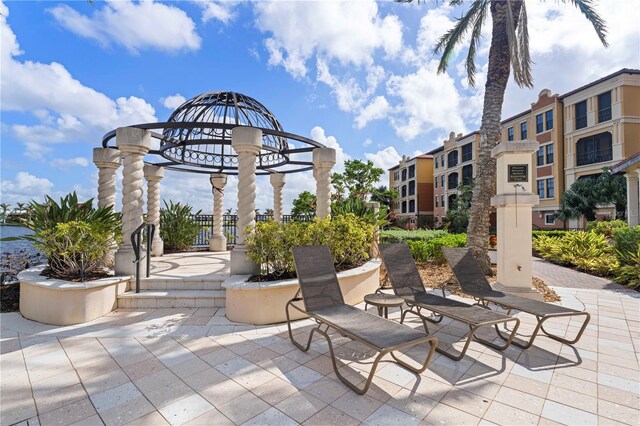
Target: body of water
{"points": [[13, 246], [16, 255]]}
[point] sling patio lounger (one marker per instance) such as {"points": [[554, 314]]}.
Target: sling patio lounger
{"points": [[324, 304], [474, 283], [406, 282]]}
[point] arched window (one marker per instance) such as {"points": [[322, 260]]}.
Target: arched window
{"points": [[452, 181], [594, 149], [452, 158]]}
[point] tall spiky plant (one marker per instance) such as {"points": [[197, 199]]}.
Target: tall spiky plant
{"points": [[509, 50]]}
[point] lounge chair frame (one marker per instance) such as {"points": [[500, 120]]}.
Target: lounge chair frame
{"points": [[479, 288], [327, 294], [414, 288]]}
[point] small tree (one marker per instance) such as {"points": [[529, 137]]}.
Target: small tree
{"points": [[457, 218], [358, 179], [383, 195], [304, 204]]}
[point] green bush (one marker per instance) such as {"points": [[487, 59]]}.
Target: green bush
{"points": [[424, 251], [627, 248], [627, 239], [75, 249], [402, 236], [349, 239], [549, 233], [605, 227], [177, 229]]}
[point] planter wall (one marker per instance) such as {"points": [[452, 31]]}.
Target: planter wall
{"points": [[264, 302], [60, 302]]}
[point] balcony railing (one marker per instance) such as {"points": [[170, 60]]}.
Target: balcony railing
{"points": [[467, 157], [596, 156], [604, 115], [581, 122]]}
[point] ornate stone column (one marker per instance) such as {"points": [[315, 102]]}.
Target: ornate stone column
{"points": [[107, 160], [246, 142], [217, 242], [277, 181], [323, 161], [153, 175], [134, 144], [632, 197]]}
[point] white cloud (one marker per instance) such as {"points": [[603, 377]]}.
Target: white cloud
{"points": [[136, 26], [318, 134], [376, 110], [384, 159], [68, 110], [348, 32], [219, 10], [65, 163], [24, 188], [173, 101], [367, 142]]}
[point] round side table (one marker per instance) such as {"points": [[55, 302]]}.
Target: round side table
{"points": [[383, 302]]}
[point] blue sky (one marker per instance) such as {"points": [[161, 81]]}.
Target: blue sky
{"points": [[358, 76]]}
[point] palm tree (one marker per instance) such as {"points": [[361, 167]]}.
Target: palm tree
{"points": [[509, 50], [5, 208]]}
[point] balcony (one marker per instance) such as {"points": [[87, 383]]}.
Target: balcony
{"points": [[595, 156], [604, 115], [581, 122]]}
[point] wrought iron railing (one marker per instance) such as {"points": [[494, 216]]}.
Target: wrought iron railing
{"points": [[581, 122], [594, 156], [604, 115]]}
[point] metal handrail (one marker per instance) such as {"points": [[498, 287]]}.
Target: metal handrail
{"points": [[136, 242]]}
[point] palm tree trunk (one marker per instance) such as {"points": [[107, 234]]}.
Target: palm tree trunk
{"points": [[485, 181]]}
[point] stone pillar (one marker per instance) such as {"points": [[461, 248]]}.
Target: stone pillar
{"points": [[632, 198], [134, 144], [153, 175], [323, 161], [217, 242], [247, 142], [277, 181], [374, 251], [107, 160], [514, 201]]}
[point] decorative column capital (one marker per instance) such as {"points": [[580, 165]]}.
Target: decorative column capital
{"points": [[277, 179], [153, 173], [106, 158], [218, 180], [324, 157], [131, 140], [632, 175], [246, 140]]}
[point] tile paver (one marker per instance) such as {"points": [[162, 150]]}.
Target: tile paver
{"points": [[193, 366]]}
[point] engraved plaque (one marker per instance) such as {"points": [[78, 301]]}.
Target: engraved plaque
{"points": [[518, 173]]}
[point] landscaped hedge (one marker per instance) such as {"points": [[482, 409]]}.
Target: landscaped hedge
{"points": [[605, 227], [431, 250], [549, 233], [402, 236], [627, 246]]}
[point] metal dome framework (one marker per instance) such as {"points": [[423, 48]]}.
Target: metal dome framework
{"points": [[197, 137]]}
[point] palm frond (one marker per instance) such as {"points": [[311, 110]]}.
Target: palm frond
{"points": [[518, 41], [447, 43], [473, 47], [586, 8]]}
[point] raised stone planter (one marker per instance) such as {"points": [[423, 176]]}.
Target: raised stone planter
{"points": [[264, 302], [60, 302]]}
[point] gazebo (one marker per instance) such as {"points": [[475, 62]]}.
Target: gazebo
{"points": [[217, 134]]}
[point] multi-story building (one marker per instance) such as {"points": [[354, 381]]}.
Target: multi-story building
{"points": [[412, 179], [578, 133]]}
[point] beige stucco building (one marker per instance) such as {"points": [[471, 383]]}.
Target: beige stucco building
{"points": [[413, 180]]}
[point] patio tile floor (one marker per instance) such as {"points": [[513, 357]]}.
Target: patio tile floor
{"points": [[195, 367]]}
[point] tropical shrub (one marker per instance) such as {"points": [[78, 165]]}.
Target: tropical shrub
{"points": [[627, 248], [605, 227], [627, 239], [177, 229], [359, 208], [348, 236], [75, 236], [401, 236], [431, 250], [549, 233]]}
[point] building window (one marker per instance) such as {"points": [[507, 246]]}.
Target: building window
{"points": [[549, 219], [442, 160], [510, 133], [594, 149], [452, 181], [539, 124], [404, 191], [436, 161], [436, 181], [540, 157], [412, 171], [467, 174], [404, 207], [412, 187], [452, 158], [549, 149], [442, 181], [523, 130], [467, 152], [604, 107], [550, 188], [442, 201], [404, 174], [412, 206], [540, 188], [437, 201], [581, 115], [548, 118], [452, 200]]}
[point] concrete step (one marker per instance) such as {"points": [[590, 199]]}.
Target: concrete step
{"points": [[205, 282], [149, 299]]}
